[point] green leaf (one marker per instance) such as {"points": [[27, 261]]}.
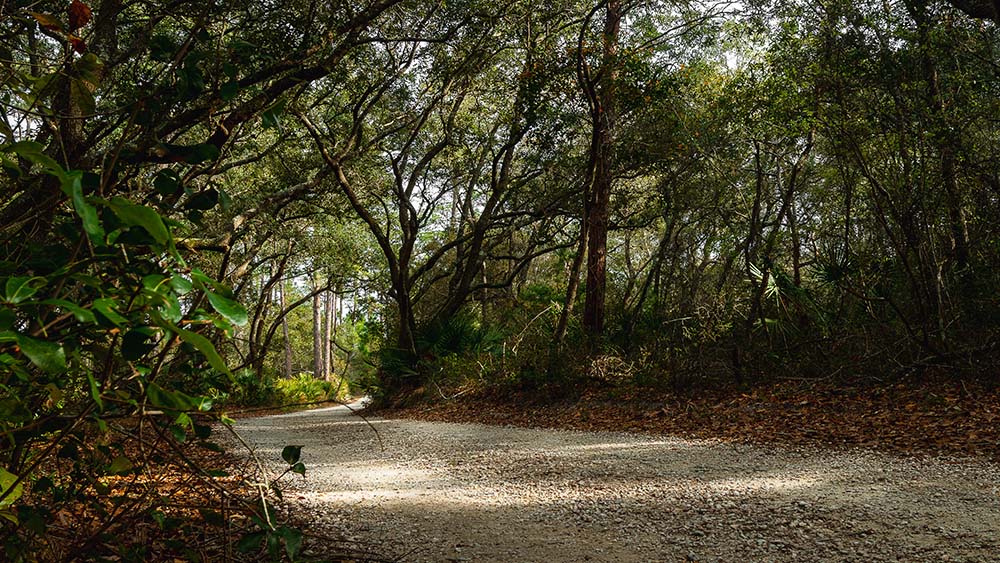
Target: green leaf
{"points": [[201, 153], [299, 468], [167, 182], [161, 48], [120, 464], [225, 200], [250, 542], [11, 165], [153, 282], [293, 541], [181, 284], [48, 356], [178, 433], [273, 545], [291, 454], [203, 201], [91, 68], [168, 399], [141, 216], [228, 308], [135, 343], [229, 90], [171, 308], [206, 281], [73, 184], [35, 153], [82, 315], [8, 514], [95, 391], [204, 346], [107, 307], [270, 116], [7, 319], [202, 431], [21, 288], [7, 480], [81, 93]]}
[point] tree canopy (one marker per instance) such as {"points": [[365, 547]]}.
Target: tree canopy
{"points": [[710, 192]]}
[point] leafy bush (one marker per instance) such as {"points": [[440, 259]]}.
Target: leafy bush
{"points": [[249, 389], [307, 389]]}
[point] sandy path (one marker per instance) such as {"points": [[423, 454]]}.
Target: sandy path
{"points": [[462, 492]]}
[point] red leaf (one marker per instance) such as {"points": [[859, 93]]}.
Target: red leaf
{"points": [[78, 44], [79, 15], [47, 21]]}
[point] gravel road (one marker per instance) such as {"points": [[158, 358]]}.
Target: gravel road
{"points": [[442, 492]]}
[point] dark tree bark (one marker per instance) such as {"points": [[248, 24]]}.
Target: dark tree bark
{"points": [[979, 9], [602, 95], [284, 332], [317, 311], [571, 288]]}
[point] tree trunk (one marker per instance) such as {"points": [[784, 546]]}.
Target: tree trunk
{"points": [[406, 335], [284, 332], [571, 288], [603, 119], [317, 334], [328, 335]]}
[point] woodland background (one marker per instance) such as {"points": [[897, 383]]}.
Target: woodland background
{"points": [[212, 204]]}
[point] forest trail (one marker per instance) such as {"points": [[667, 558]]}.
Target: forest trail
{"points": [[444, 492]]}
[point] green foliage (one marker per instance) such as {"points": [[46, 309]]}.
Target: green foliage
{"points": [[457, 335], [307, 389], [793, 191], [251, 390]]}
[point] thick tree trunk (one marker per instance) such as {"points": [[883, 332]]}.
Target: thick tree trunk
{"points": [[603, 117], [406, 335]]}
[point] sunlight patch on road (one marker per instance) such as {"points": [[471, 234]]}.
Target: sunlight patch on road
{"points": [[420, 495], [612, 446], [765, 483]]}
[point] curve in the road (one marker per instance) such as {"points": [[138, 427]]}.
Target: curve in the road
{"points": [[464, 492]]}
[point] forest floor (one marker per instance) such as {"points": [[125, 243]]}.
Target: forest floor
{"points": [[936, 416], [440, 492]]}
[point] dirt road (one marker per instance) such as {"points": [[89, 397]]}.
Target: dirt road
{"points": [[441, 492]]}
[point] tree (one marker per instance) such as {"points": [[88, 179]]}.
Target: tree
{"points": [[600, 90]]}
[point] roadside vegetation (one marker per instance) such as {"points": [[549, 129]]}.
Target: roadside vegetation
{"points": [[211, 206]]}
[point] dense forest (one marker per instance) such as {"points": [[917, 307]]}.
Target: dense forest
{"points": [[229, 203]]}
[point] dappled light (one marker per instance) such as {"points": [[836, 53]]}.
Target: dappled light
{"points": [[500, 493], [762, 236]]}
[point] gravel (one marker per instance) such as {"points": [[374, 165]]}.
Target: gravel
{"points": [[441, 492]]}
